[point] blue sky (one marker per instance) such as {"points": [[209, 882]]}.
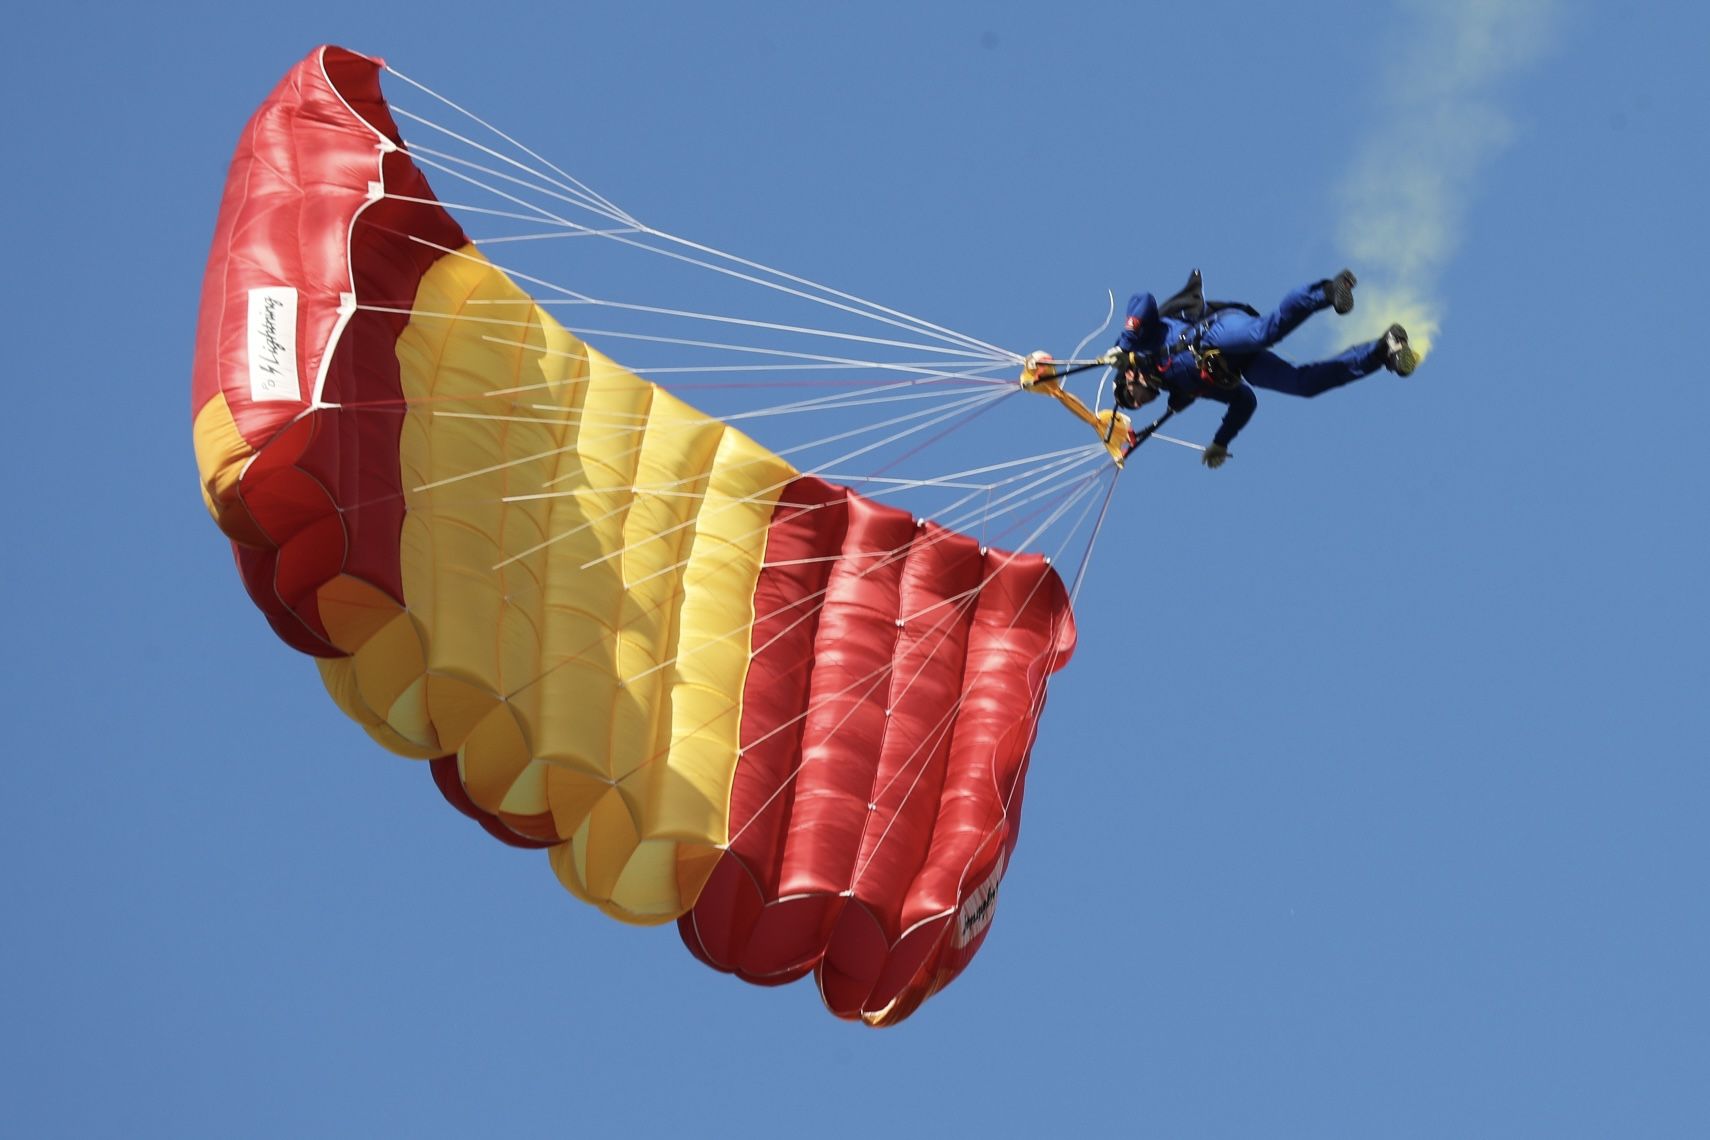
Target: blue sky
{"points": [[1371, 805]]}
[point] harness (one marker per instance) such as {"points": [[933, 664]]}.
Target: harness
{"points": [[1189, 305], [1215, 368]]}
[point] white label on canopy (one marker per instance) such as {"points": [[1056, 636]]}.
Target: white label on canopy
{"points": [[273, 344], [978, 908]]}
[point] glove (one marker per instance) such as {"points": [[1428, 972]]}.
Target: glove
{"points": [[1215, 456], [1112, 358]]}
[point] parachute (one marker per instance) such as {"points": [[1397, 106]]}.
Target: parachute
{"points": [[716, 689]]}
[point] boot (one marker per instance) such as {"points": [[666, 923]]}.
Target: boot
{"points": [[1398, 355], [1339, 291]]}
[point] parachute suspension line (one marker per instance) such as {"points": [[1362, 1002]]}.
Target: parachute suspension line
{"points": [[1092, 539], [953, 479], [921, 328], [871, 679], [460, 167], [539, 212], [1050, 486], [572, 183], [1109, 315], [885, 558], [1061, 509], [1074, 593], [574, 297], [762, 529], [955, 408], [926, 371], [934, 734], [858, 305], [546, 415], [455, 165], [555, 235], [569, 230], [772, 326], [1048, 479], [926, 368], [781, 281], [881, 560]]}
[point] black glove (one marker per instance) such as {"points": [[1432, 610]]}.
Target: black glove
{"points": [[1215, 456]]}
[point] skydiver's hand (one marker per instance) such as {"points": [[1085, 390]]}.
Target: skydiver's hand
{"points": [[1112, 358], [1215, 456]]}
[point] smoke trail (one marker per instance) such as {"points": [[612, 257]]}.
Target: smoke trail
{"points": [[1405, 196]]}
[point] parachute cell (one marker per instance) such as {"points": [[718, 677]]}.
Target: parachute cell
{"points": [[716, 689]]}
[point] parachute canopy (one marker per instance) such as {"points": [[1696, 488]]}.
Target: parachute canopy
{"points": [[716, 689]]}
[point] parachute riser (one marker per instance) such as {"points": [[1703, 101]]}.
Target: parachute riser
{"points": [[1146, 432], [1040, 374]]}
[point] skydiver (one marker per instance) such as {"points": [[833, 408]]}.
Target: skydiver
{"points": [[1191, 347]]}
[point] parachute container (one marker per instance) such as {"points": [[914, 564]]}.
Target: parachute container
{"points": [[715, 689]]}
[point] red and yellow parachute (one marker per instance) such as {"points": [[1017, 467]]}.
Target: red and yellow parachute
{"points": [[716, 690]]}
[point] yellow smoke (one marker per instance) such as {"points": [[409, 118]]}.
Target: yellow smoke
{"points": [[1405, 195], [1382, 305]]}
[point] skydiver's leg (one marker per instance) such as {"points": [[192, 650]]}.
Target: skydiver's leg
{"points": [[1268, 370], [1237, 333]]}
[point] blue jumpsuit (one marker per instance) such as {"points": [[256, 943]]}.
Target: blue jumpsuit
{"points": [[1245, 341]]}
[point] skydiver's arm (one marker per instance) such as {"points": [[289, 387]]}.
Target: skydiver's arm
{"points": [[1242, 402], [1141, 329]]}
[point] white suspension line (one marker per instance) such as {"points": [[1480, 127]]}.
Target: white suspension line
{"points": [[555, 235], [553, 415], [771, 326], [913, 321], [884, 559], [907, 366], [932, 735], [541, 213], [927, 373], [875, 676], [1063, 508], [575, 445], [441, 157], [577, 187], [954, 406], [990, 352], [517, 275], [955, 410], [570, 229], [1092, 540], [570, 183], [972, 471], [1048, 478], [870, 312], [956, 706]]}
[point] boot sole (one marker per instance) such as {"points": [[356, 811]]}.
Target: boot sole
{"points": [[1342, 296]]}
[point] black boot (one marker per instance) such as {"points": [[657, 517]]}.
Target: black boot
{"points": [[1339, 291], [1397, 355]]}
